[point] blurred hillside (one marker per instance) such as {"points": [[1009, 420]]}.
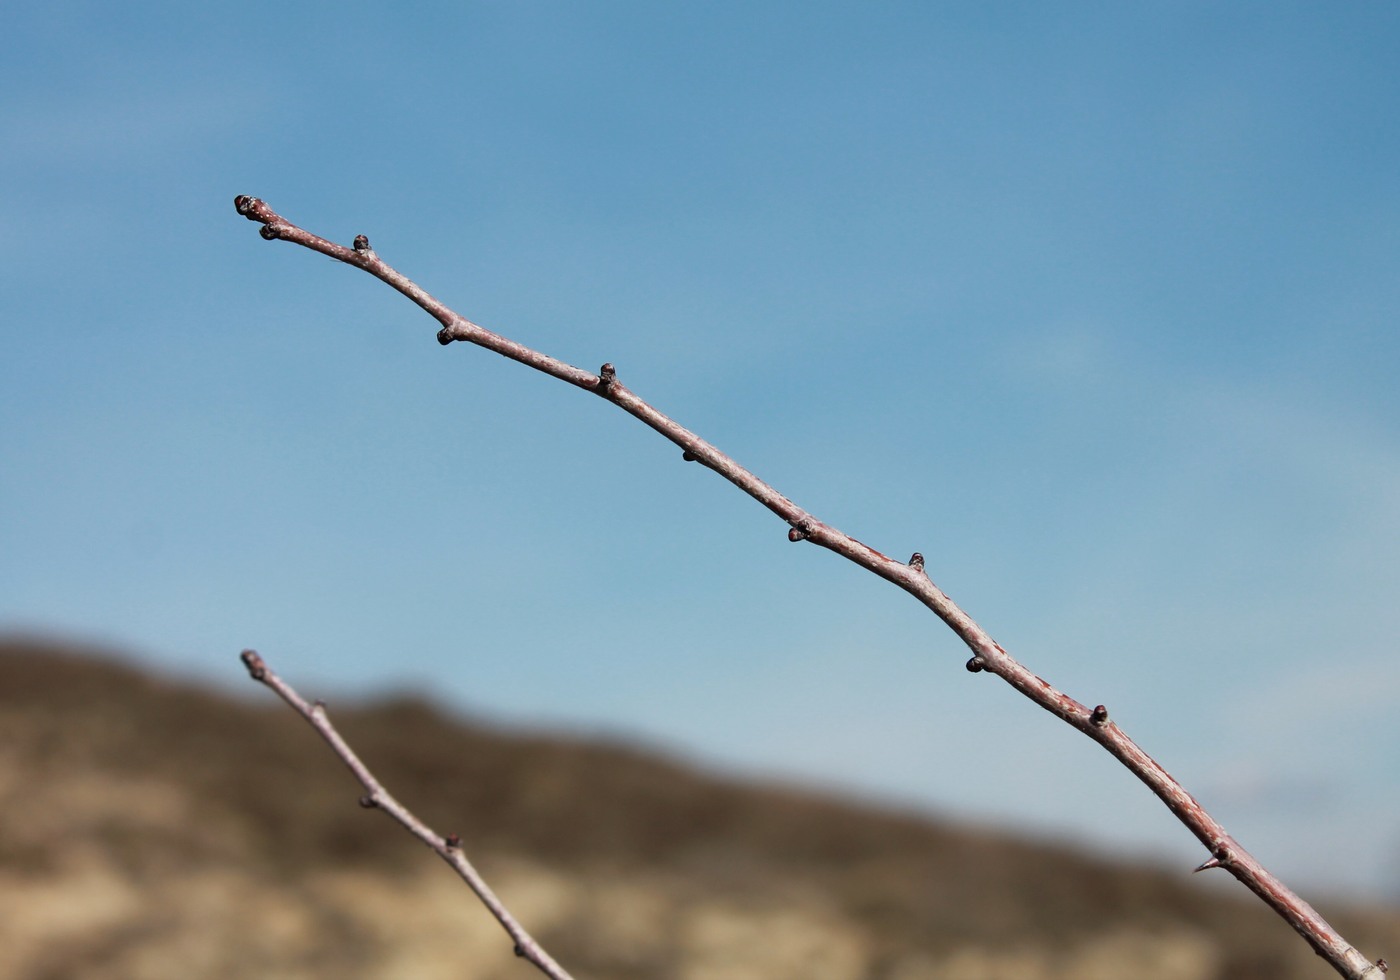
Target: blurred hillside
{"points": [[157, 830]]}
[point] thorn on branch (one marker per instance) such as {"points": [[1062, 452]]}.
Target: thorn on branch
{"points": [[1219, 858], [257, 670], [976, 665], [1099, 716], [916, 562]]}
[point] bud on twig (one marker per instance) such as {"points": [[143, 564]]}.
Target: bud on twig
{"points": [[606, 376]]}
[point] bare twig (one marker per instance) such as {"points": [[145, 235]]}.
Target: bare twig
{"points": [[987, 655], [377, 797]]}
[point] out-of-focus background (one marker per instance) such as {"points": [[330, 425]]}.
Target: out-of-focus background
{"points": [[1093, 305], [159, 830]]}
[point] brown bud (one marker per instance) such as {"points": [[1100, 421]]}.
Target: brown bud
{"points": [[256, 668]]}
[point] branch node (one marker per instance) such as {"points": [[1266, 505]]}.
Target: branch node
{"points": [[369, 802], [453, 841], [688, 456], [1383, 966], [916, 562], [1099, 716], [444, 336], [800, 531], [257, 670], [269, 232], [361, 244], [607, 374], [976, 665], [520, 951]]}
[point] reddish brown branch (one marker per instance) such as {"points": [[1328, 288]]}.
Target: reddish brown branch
{"points": [[987, 654], [377, 797]]}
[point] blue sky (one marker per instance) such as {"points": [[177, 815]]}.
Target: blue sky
{"points": [[1093, 305]]}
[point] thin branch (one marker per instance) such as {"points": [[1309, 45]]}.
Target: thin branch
{"points": [[987, 655], [377, 797]]}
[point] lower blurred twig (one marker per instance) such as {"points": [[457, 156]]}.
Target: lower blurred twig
{"points": [[448, 848]]}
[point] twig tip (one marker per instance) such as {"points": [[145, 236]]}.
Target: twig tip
{"points": [[257, 669]]}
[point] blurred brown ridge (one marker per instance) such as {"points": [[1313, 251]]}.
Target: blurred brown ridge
{"points": [[154, 829]]}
